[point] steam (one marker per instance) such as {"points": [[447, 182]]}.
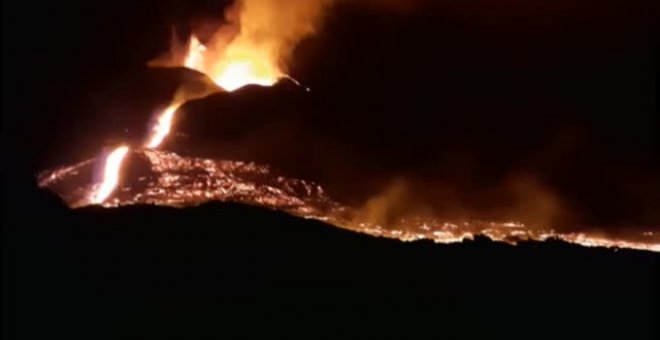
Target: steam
{"points": [[393, 201], [520, 198]]}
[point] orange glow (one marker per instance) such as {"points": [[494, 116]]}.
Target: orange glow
{"points": [[254, 44], [195, 55], [162, 127], [240, 73], [110, 175], [236, 67]]}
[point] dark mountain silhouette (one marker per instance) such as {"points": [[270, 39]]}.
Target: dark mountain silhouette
{"points": [[230, 270]]}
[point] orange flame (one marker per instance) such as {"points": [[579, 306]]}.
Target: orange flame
{"points": [[237, 67], [253, 45], [110, 175], [195, 55]]}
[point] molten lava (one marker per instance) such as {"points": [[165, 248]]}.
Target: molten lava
{"points": [[162, 127], [110, 175], [167, 179]]}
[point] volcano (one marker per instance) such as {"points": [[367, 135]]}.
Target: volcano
{"points": [[452, 169]]}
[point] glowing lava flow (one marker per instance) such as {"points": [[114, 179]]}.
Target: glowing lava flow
{"points": [[115, 159], [245, 69], [166, 179], [234, 75], [110, 175], [162, 127]]}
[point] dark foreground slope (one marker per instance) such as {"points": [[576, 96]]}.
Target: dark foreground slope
{"points": [[222, 270]]}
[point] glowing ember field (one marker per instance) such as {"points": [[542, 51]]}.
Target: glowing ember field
{"points": [[167, 179]]}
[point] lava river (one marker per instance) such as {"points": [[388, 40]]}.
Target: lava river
{"points": [[167, 179]]}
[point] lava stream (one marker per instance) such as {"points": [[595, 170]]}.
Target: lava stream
{"points": [[110, 175], [162, 127]]}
